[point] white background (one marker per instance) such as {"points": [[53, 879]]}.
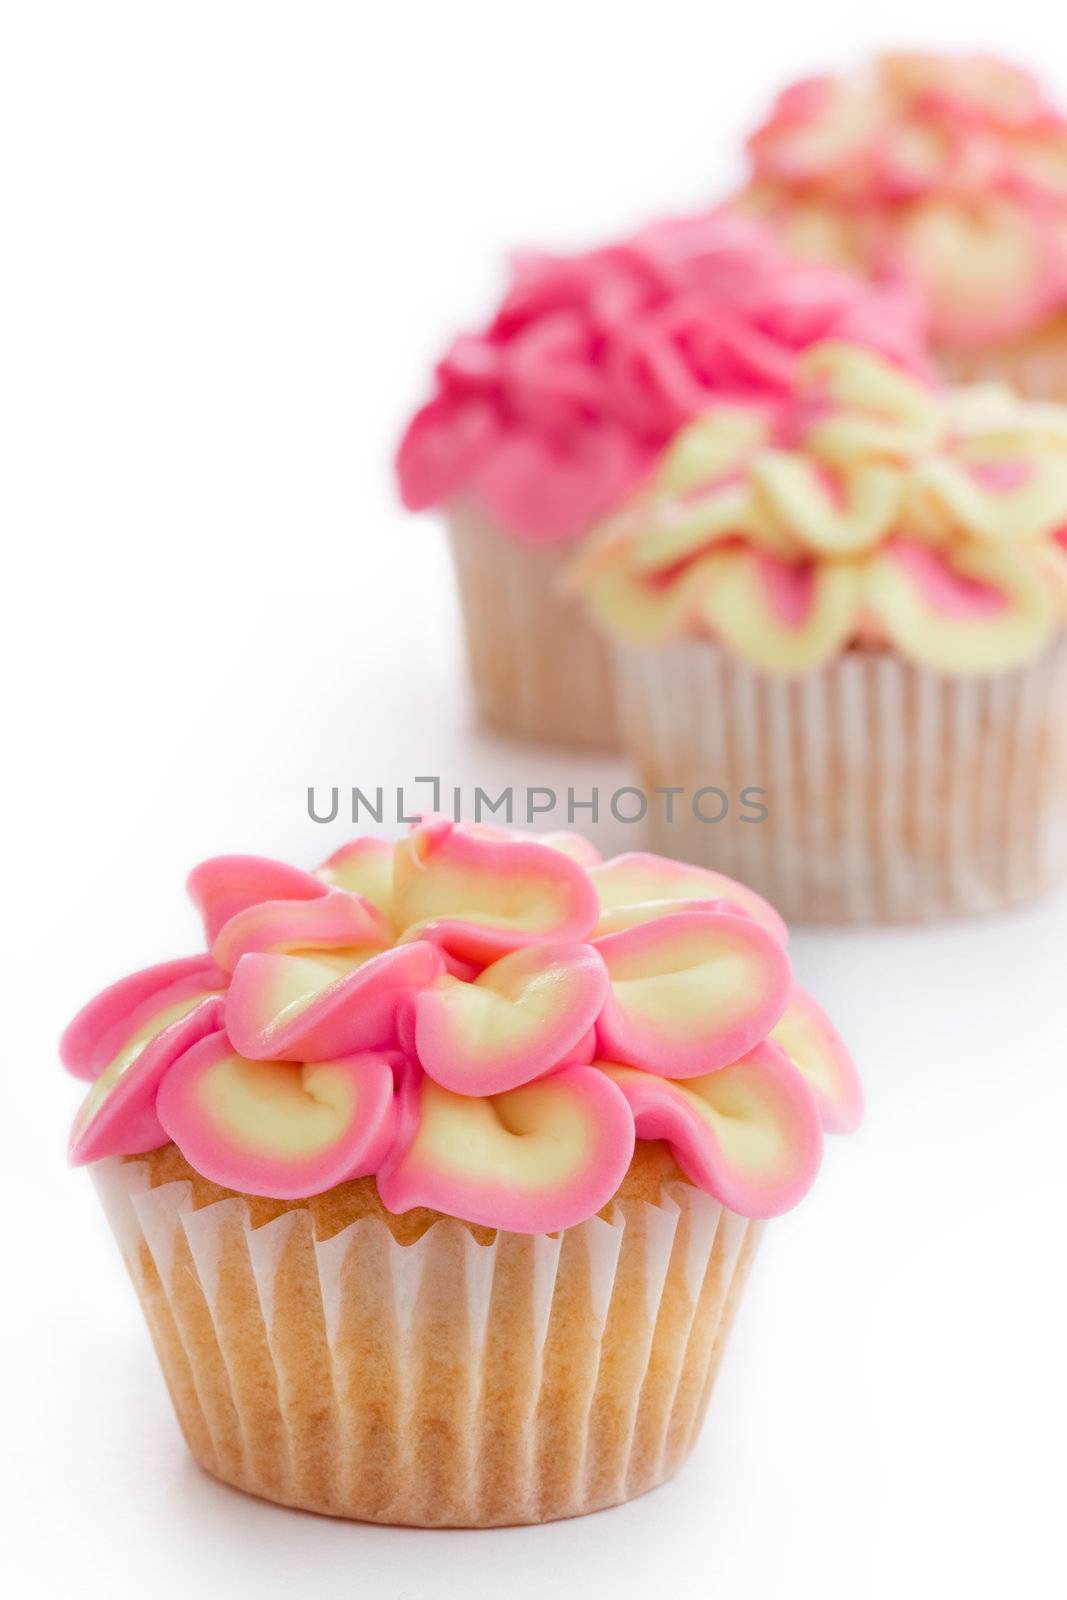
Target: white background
{"points": [[236, 235]]}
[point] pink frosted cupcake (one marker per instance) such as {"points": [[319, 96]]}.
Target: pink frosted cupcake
{"points": [[949, 172], [854, 611], [438, 1174], [547, 419]]}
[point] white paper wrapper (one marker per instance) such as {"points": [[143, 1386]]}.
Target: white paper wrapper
{"points": [[893, 794], [445, 1382], [540, 671]]}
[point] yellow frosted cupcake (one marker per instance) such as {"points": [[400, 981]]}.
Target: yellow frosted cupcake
{"points": [[545, 420], [946, 171], [856, 608], [438, 1175]]}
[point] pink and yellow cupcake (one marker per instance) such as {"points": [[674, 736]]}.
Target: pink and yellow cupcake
{"points": [[854, 610], [439, 1173], [544, 421], [949, 172]]}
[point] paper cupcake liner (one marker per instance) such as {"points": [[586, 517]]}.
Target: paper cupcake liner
{"points": [[1035, 365], [540, 671], [445, 1382], [892, 794]]}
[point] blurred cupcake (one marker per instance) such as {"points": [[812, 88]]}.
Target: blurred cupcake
{"points": [[855, 613], [545, 421], [949, 172], [439, 1175]]}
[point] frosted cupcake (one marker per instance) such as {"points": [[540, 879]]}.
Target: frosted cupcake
{"points": [[439, 1174], [949, 172], [547, 419], [857, 609]]}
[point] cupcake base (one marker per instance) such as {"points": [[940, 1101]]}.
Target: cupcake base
{"points": [[539, 669], [1033, 364], [892, 794], [448, 1377]]}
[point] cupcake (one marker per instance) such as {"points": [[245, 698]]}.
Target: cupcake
{"points": [[542, 423], [850, 617], [439, 1174], [949, 172]]}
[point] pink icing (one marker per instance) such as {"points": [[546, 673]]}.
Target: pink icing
{"points": [[457, 888], [404, 1182], [225, 885], [330, 921], [947, 592], [629, 1032], [87, 1045], [452, 1035], [127, 1123], [356, 1012], [1001, 476], [650, 884], [479, 1057], [790, 588], [554, 412], [209, 1149], [660, 1112], [837, 1090], [926, 169]]}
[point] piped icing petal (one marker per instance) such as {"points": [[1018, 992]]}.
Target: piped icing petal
{"points": [[782, 616], [300, 1008], [713, 449], [638, 887], [961, 610], [533, 1160], [516, 1021], [482, 896], [829, 517], [118, 1115], [690, 992], [988, 253], [873, 510], [555, 412], [849, 407], [363, 867], [912, 167], [225, 885], [574, 845], [816, 1049], [336, 921], [638, 609], [91, 1040], [280, 1128], [749, 1134], [1009, 496]]}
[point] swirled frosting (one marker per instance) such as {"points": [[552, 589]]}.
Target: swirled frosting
{"points": [[553, 413], [949, 172], [484, 1021], [869, 509]]}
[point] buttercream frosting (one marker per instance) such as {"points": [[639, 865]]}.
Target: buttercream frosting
{"points": [[948, 172], [484, 1021], [551, 414], [870, 508]]}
